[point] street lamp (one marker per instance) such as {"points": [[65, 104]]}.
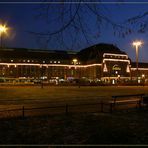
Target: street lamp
{"points": [[75, 62], [143, 78], [3, 30], [137, 44]]}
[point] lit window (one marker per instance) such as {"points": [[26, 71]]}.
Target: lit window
{"points": [[58, 61], [23, 60], [28, 60], [11, 60], [50, 61], [55, 61]]}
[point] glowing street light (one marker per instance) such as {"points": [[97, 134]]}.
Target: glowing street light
{"points": [[137, 44], [3, 30], [143, 76], [75, 61]]}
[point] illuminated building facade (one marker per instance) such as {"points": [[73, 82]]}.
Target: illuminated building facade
{"points": [[102, 62]]}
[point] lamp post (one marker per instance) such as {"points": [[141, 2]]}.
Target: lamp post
{"points": [[143, 79], [41, 77], [75, 62], [3, 30], [137, 44]]}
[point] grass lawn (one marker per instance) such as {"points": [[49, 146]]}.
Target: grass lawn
{"points": [[15, 96], [55, 94], [121, 127], [118, 128]]}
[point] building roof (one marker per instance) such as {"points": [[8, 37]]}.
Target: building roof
{"points": [[96, 52], [93, 54], [36, 54]]}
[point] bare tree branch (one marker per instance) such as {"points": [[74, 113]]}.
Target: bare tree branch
{"points": [[71, 21]]}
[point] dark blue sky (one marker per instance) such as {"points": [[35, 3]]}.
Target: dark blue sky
{"points": [[21, 18]]}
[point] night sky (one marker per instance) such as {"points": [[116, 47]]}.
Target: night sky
{"points": [[21, 18]]}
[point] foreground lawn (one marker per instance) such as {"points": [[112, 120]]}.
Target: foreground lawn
{"points": [[126, 127]]}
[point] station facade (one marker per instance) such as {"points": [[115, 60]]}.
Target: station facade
{"points": [[101, 62]]}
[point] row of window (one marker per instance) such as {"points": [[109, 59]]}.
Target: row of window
{"points": [[119, 57], [31, 61], [35, 61]]}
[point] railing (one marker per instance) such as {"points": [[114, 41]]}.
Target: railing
{"points": [[76, 107], [25, 111]]}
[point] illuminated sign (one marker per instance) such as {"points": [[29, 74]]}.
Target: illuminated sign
{"points": [[116, 67]]}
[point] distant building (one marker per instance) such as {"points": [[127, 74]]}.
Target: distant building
{"points": [[101, 62]]}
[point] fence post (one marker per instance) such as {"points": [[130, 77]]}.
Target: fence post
{"points": [[111, 107], [102, 106], [66, 109], [23, 112]]}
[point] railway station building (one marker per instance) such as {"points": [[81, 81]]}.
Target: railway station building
{"points": [[102, 62]]}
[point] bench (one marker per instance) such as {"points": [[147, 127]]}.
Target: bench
{"points": [[126, 99]]}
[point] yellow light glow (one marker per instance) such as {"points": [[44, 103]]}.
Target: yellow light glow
{"points": [[74, 60], [137, 43], [3, 29], [143, 75]]}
